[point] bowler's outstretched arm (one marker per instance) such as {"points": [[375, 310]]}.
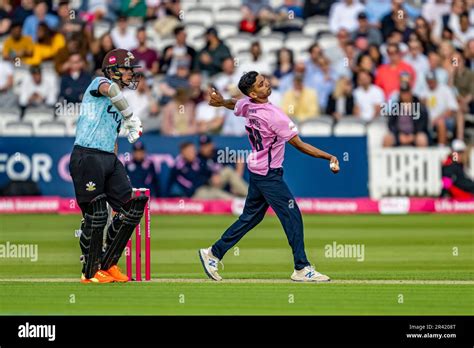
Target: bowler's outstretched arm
{"points": [[314, 152]]}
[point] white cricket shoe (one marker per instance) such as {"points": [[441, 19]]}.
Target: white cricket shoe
{"points": [[309, 274], [210, 263]]}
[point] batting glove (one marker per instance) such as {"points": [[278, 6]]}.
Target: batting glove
{"points": [[134, 127]]}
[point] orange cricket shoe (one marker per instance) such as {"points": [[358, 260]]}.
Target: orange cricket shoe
{"points": [[99, 277], [117, 274]]}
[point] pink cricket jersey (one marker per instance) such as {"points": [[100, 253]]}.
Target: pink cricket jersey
{"points": [[268, 128]]}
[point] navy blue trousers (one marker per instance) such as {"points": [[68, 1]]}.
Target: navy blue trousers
{"points": [[264, 191]]}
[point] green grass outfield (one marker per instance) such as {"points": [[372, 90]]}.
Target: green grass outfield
{"points": [[413, 265]]}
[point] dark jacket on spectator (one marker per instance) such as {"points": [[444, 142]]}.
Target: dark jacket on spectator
{"points": [[349, 105], [143, 174], [420, 124], [218, 55], [73, 90], [165, 63], [185, 178]]}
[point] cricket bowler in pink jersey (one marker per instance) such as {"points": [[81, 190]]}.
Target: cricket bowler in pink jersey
{"points": [[269, 128]]}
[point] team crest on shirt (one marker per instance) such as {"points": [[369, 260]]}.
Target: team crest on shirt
{"points": [[90, 186], [292, 126]]}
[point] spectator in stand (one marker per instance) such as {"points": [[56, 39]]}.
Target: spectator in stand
{"points": [[257, 62], [312, 63], [196, 94], [122, 34], [469, 54], [376, 10], [323, 81], [450, 20], [418, 61], [73, 46], [143, 103], [364, 62], [407, 121], [301, 102], [209, 119], [218, 174], [389, 22], [185, 177], [466, 31], [285, 15], [343, 14], [456, 184], [341, 55], [169, 17], [423, 33], [48, 45], [133, 8], [387, 76], [21, 12], [368, 97], [7, 98], [171, 83], [228, 78], [374, 53], [443, 109], [141, 170], [463, 80], [446, 52], [5, 21], [40, 15], [260, 9], [395, 38], [68, 25], [144, 55], [284, 63], [210, 58], [249, 23], [177, 52], [97, 10], [317, 8], [75, 81], [99, 50], [373, 35], [37, 91], [432, 10], [341, 100], [442, 76], [178, 116], [17, 46]]}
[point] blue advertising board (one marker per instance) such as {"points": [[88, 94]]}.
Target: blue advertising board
{"points": [[45, 160]]}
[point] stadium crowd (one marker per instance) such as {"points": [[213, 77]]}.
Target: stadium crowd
{"points": [[409, 64]]}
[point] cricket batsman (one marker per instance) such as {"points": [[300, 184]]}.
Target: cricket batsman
{"points": [[98, 176], [269, 128]]}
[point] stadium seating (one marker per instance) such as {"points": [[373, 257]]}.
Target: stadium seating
{"points": [[199, 14], [55, 128], [321, 126], [349, 126], [298, 42], [271, 42], [35, 116], [15, 128]]}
